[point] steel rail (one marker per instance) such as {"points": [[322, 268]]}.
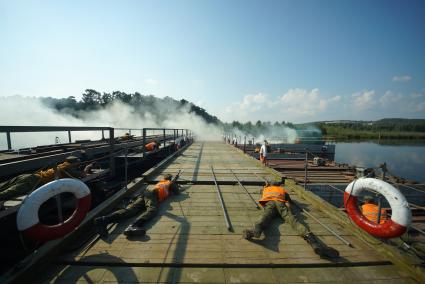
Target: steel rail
{"points": [[220, 197], [324, 226], [246, 190]]}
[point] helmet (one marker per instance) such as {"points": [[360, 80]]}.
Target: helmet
{"points": [[368, 198], [168, 177]]}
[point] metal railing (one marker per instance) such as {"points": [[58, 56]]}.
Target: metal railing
{"points": [[167, 134], [15, 129]]}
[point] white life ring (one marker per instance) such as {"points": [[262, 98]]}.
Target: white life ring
{"points": [[401, 216], [28, 221]]}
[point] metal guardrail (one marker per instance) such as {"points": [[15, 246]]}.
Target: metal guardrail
{"points": [[69, 129], [174, 134]]}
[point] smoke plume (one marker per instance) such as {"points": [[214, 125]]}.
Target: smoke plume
{"points": [[21, 111]]}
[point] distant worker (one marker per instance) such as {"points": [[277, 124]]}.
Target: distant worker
{"points": [[263, 153], [152, 146], [146, 201], [370, 210], [127, 136], [257, 148], [26, 183], [276, 201]]}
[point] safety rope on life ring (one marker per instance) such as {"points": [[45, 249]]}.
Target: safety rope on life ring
{"points": [[28, 222], [401, 216]]}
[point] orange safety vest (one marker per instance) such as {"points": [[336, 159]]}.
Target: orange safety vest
{"points": [[150, 146], [370, 211], [49, 175], [272, 192], [163, 188]]}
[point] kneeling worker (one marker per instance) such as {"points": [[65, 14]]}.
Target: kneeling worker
{"points": [[147, 201], [276, 201]]}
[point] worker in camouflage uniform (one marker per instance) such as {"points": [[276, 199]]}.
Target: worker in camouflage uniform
{"points": [[26, 183], [147, 201], [277, 202]]}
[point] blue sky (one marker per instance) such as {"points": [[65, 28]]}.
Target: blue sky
{"points": [[241, 60]]}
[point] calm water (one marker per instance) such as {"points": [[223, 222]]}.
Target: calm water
{"points": [[406, 161]]}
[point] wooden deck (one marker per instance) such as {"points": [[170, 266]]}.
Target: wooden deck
{"points": [[188, 241]]}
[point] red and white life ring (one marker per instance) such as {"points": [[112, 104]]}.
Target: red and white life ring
{"points": [[401, 216], [28, 221]]}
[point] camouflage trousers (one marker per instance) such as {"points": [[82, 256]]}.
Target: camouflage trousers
{"points": [[276, 208], [147, 202], [17, 186]]}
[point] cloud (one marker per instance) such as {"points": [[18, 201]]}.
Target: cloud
{"points": [[390, 98], [150, 81], [254, 102], [294, 104], [303, 101], [416, 95], [420, 107], [363, 100], [402, 78]]}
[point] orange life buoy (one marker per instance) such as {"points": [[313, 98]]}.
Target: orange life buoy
{"points": [[28, 222], [401, 216]]}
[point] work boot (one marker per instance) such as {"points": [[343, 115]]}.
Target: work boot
{"points": [[133, 230], [257, 231], [319, 248], [248, 234], [100, 224]]}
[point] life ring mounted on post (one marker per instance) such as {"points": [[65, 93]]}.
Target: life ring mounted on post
{"points": [[28, 221], [401, 216]]}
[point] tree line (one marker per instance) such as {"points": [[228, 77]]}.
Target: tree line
{"points": [[94, 100], [383, 125]]}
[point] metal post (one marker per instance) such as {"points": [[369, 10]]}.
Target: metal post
{"points": [[223, 206], [126, 166], [9, 142], [174, 135], [111, 152], [378, 219], [244, 144], [69, 136], [246, 190], [384, 170], [305, 168], [103, 134], [144, 142], [164, 137]]}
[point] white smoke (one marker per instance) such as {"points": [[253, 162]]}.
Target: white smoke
{"points": [[29, 111], [276, 134]]}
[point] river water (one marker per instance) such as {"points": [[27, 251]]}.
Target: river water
{"points": [[407, 161]]}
